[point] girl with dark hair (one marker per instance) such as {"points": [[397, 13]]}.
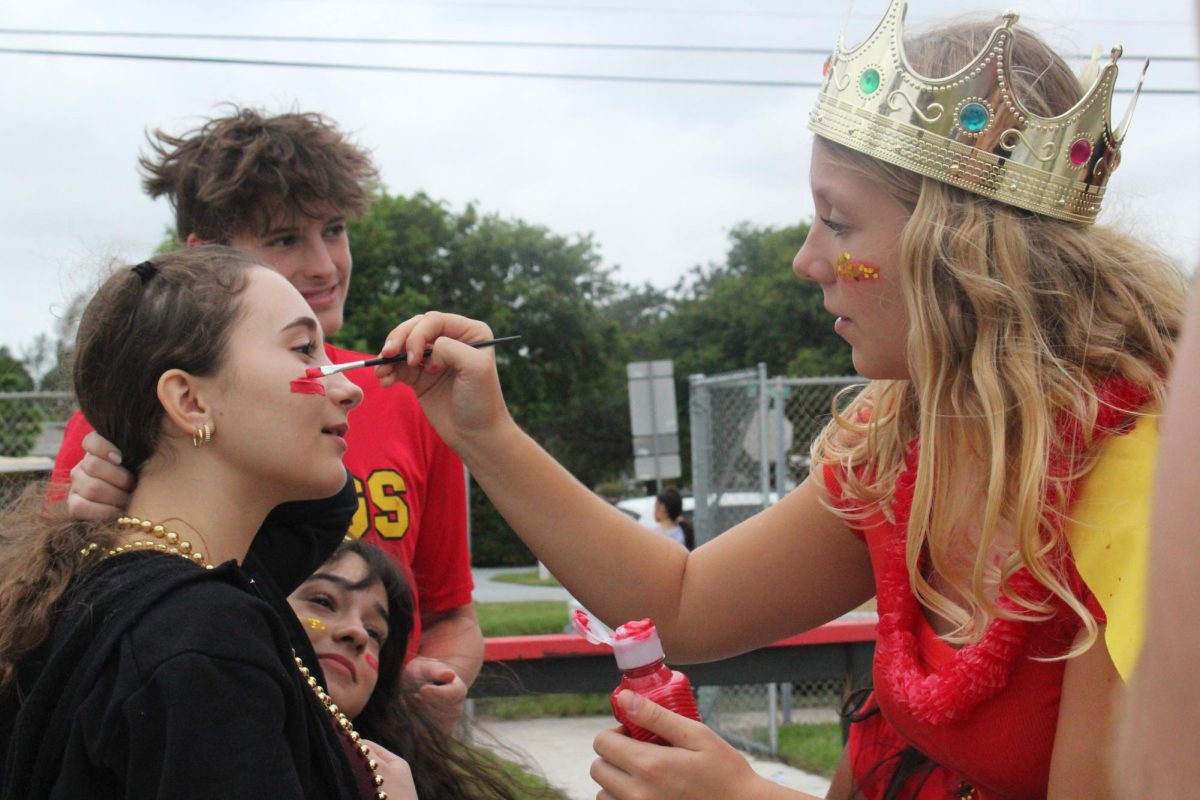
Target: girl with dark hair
{"points": [[668, 514], [144, 658], [357, 611]]}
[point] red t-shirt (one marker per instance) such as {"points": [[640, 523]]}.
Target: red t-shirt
{"points": [[411, 489]]}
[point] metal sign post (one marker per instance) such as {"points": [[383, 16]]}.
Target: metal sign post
{"points": [[654, 421]]}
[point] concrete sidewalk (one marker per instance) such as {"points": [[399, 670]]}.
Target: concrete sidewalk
{"points": [[561, 749]]}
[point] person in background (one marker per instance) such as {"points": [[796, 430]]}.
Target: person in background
{"points": [[668, 515], [357, 611], [283, 187]]}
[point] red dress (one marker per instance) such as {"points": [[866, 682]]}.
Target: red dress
{"points": [[985, 715]]}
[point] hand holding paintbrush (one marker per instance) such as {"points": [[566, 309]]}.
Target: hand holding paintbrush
{"points": [[333, 369]]}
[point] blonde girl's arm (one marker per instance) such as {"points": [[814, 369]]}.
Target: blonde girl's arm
{"points": [[790, 568]]}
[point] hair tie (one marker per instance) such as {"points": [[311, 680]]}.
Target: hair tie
{"points": [[145, 270]]}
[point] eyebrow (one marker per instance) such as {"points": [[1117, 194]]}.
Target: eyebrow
{"points": [[339, 581], [292, 227], [302, 322], [279, 230]]}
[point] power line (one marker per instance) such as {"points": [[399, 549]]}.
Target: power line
{"points": [[236, 37], [773, 84], [544, 45], [572, 6]]}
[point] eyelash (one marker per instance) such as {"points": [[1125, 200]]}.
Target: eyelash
{"points": [[837, 227], [308, 348]]}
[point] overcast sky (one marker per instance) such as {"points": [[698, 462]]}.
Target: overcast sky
{"points": [[656, 173]]}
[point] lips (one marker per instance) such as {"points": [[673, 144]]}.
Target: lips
{"points": [[321, 298], [339, 663], [337, 430]]}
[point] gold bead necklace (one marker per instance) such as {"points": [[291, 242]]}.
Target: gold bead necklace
{"points": [[344, 724], [164, 541], [172, 543]]}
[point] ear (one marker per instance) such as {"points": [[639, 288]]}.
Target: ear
{"points": [[193, 240], [182, 399]]}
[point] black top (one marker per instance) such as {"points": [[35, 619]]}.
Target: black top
{"points": [[163, 679]]}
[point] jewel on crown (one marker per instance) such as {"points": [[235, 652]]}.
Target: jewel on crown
{"points": [[969, 129]]}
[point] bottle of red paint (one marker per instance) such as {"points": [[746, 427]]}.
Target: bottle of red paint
{"points": [[640, 657]]}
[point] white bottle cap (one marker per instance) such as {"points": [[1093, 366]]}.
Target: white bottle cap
{"points": [[636, 644]]}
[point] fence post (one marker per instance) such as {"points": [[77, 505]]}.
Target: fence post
{"points": [[764, 452], [700, 419]]}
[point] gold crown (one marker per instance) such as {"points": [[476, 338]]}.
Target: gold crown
{"points": [[969, 129]]}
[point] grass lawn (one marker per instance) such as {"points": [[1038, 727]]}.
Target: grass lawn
{"points": [[530, 782], [532, 706], [814, 748], [530, 578], [517, 619]]}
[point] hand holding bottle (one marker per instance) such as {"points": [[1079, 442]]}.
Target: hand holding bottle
{"points": [[698, 764]]}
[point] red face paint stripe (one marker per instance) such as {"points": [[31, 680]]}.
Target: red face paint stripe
{"points": [[307, 386], [372, 662]]}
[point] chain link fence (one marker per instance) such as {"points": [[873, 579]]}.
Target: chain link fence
{"points": [[31, 429], [750, 442], [31, 423]]}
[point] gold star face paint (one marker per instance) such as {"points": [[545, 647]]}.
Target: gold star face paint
{"points": [[314, 624], [848, 270]]}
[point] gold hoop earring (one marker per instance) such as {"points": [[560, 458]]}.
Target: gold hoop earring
{"points": [[202, 436]]}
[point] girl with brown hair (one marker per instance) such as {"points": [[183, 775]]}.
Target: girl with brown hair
{"points": [[140, 658]]}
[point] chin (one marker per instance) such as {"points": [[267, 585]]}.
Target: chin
{"points": [[337, 480], [876, 371]]}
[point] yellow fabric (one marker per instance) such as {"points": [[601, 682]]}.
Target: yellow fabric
{"points": [[1109, 536]]}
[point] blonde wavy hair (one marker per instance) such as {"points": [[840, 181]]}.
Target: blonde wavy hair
{"points": [[1014, 318]]}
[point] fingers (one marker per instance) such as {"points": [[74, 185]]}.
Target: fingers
{"points": [[415, 335], [614, 783], [444, 701], [429, 670], [679, 731], [396, 774], [101, 448], [99, 488]]}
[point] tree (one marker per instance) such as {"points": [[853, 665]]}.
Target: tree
{"points": [[21, 421], [751, 309], [736, 314], [564, 382], [13, 375]]}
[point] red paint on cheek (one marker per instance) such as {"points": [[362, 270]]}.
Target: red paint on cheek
{"points": [[372, 661], [313, 372], [307, 386]]}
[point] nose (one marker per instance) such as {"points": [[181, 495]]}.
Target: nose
{"points": [[810, 263], [351, 630], [343, 391], [319, 261]]}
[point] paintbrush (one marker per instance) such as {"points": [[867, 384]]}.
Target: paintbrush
{"points": [[333, 369]]}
